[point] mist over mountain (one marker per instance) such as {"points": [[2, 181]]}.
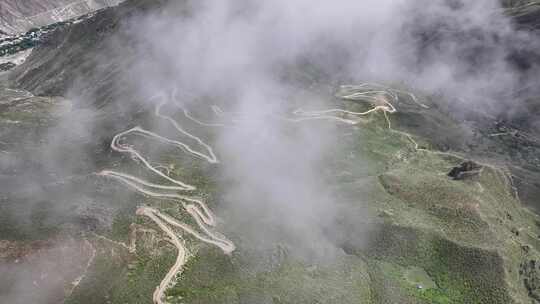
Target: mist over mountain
{"points": [[281, 152]]}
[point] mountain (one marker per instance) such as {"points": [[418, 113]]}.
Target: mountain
{"points": [[431, 200], [17, 17]]}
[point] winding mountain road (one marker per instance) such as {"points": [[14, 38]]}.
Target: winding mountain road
{"points": [[202, 215], [382, 98]]}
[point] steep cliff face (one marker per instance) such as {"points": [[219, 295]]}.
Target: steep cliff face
{"points": [[19, 16]]}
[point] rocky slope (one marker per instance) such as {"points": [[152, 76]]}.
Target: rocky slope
{"points": [[17, 17]]}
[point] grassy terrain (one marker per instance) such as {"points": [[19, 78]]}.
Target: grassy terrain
{"points": [[213, 278], [432, 239]]}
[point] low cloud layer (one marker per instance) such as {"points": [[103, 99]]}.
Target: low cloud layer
{"points": [[242, 53]]}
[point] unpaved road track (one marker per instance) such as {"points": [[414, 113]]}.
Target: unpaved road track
{"points": [[202, 215], [380, 97]]}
